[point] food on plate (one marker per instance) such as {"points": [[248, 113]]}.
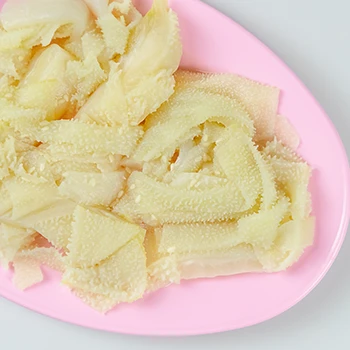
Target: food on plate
{"points": [[127, 174]]}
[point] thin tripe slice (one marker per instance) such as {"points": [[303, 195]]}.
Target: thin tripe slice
{"points": [[286, 133], [121, 278], [255, 229], [292, 239], [150, 200], [188, 109], [92, 188], [261, 101], [45, 86], [29, 197], [17, 14], [47, 256], [97, 235], [82, 137], [12, 239], [232, 261], [235, 156], [27, 273]]}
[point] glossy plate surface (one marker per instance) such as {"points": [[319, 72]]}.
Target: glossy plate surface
{"points": [[213, 42]]}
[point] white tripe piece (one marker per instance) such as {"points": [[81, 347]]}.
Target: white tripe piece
{"points": [[261, 101], [92, 188], [113, 279], [84, 138], [97, 234]]}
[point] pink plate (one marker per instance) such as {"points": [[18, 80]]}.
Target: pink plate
{"points": [[213, 42]]}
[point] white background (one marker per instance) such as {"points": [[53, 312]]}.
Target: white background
{"points": [[313, 38]]}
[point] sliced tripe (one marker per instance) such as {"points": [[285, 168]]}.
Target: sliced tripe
{"points": [[98, 302], [18, 14], [97, 234], [27, 273], [185, 111], [61, 167], [286, 133], [151, 246], [47, 256], [173, 238], [5, 203], [239, 159], [86, 76], [92, 188], [54, 223], [16, 115], [196, 181], [135, 89], [292, 176], [122, 277], [235, 156], [34, 162], [294, 180], [172, 268], [163, 272], [115, 33], [107, 105], [45, 85], [147, 198], [13, 39], [276, 149], [212, 132], [269, 190], [15, 50], [292, 239], [261, 228], [190, 158], [28, 197], [12, 239], [85, 138], [255, 229], [121, 7], [150, 81], [232, 261], [91, 161], [162, 269], [59, 162], [158, 168], [261, 101], [57, 230], [115, 19]]}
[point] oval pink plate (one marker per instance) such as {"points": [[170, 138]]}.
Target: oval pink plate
{"points": [[213, 42]]}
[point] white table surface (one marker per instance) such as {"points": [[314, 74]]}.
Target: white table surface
{"points": [[313, 38]]}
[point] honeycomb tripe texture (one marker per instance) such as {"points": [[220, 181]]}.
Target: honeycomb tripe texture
{"points": [[126, 174]]}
